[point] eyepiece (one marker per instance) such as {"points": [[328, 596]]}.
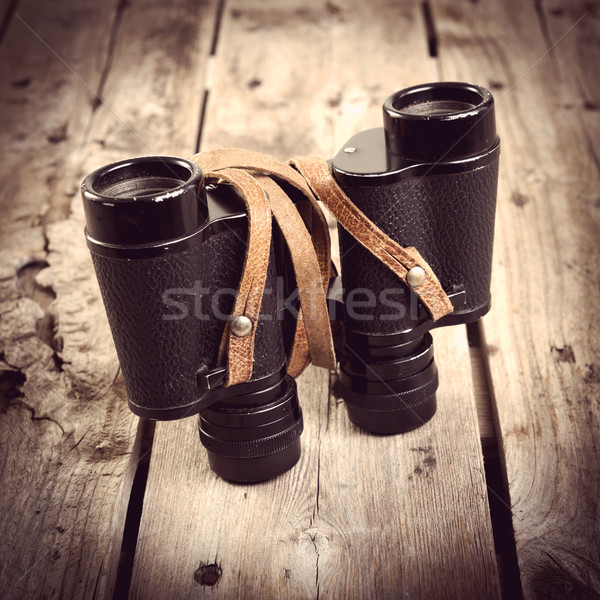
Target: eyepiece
{"points": [[140, 179], [439, 122], [144, 201]]}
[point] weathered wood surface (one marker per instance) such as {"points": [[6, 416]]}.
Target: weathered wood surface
{"points": [[360, 515], [69, 445], [543, 333]]}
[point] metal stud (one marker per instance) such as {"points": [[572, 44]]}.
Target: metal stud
{"points": [[416, 276], [349, 150], [241, 326]]}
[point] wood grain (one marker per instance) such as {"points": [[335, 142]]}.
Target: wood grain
{"points": [[69, 444], [542, 335], [360, 515]]}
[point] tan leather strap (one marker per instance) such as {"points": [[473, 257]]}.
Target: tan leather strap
{"points": [[299, 357], [240, 350], [398, 259], [250, 160], [312, 295], [310, 259]]}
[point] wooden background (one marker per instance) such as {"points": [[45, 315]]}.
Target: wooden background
{"points": [[497, 496]]}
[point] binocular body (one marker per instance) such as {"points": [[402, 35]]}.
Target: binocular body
{"points": [[168, 251], [168, 265], [428, 179]]}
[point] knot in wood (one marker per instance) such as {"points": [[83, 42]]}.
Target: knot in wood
{"points": [[314, 540], [208, 574]]}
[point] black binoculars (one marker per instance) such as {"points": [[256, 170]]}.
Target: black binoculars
{"points": [[168, 251]]}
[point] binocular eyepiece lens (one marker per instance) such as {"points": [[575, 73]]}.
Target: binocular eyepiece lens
{"points": [[436, 107], [440, 99], [140, 186], [449, 121], [146, 177], [147, 200]]}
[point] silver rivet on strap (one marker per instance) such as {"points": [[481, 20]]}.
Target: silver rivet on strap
{"points": [[241, 326], [416, 276]]}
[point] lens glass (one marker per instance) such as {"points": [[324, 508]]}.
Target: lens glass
{"points": [[436, 100], [437, 107], [141, 186], [139, 179]]}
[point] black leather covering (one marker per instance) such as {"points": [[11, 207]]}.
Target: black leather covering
{"points": [[448, 218], [160, 351]]}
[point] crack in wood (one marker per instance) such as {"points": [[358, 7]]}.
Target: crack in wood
{"points": [[319, 542], [28, 286], [213, 51], [80, 440], [430, 29], [97, 101], [11, 384], [541, 15], [498, 496], [98, 577], [217, 28], [330, 398], [318, 477], [7, 19], [317, 572], [131, 528], [24, 404], [203, 107]]}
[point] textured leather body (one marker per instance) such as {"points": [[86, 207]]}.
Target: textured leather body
{"points": [[450, 221], [161, 345]]}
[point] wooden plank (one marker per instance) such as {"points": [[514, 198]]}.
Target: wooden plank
{"points": [[360, 515], [69, 444], [48, 511], [542, 334], [7, 11]]}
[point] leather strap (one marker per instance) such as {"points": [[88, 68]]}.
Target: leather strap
{"points": [[258, 162], [299, 357], [240, 350], [315, 317], [398, 259], [310, 258]]}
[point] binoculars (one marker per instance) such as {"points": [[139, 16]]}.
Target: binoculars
{"points": [[169, 249]]}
